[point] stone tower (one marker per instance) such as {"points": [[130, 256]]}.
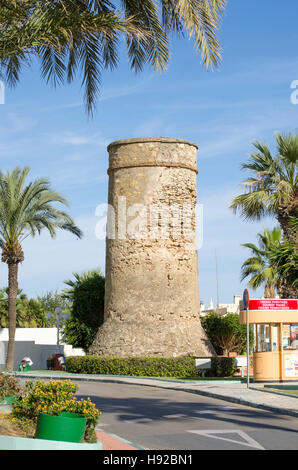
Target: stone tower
{"points": [[152, 297]]}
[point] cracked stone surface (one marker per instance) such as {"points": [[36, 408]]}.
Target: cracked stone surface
{"points": [[152, 295]]}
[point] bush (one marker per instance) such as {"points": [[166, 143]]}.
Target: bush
{"points": [[9, 386], [52, 398], [222, 367], [148, 366], [226, 333], [86, 293], [182, 367]]}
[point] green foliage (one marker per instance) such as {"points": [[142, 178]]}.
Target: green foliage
{"points": [[148, 366], [222, 367], [9, 386], [83, 37], [259, 267], [50, 301], [26, 210], [226, 333], [284, 259], [29, 312], [86, 293], [53, 397], [274, 180], [179, 367]]}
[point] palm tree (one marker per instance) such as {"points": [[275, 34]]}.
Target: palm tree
{"points": [[25, 210], [85, 35], [284, 258], [259, 267], [273, 187]]}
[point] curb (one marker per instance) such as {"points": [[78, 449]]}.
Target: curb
{"points": [[110, 379], [25, 443]]}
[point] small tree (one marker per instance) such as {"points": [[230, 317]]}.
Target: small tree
{"points": [[226, 334], [86, 293]]}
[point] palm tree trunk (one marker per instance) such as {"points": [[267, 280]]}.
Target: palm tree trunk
{"points": [[12, 312], [269, 292], [287, 292], [284, 212]]}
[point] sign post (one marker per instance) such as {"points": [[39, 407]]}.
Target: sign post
{"points": [[246, 306]]}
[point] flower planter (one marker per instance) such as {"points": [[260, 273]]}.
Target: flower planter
{"points": [[69, 427]]}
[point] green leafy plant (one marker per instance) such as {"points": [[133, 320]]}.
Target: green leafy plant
{"points": [[226, 333], [178, 367], [71, 38], [9, 386], [53, 397], [259, 267], [86, 294], [272, 189], [152, 366]]}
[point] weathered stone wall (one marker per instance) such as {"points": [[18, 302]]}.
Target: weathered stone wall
{"points": [[152, 295]]}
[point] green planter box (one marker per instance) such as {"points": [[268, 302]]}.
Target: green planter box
{"points": [[69, 427]]}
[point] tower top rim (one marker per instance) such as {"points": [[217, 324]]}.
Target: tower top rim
{"points": [[138, 140]]}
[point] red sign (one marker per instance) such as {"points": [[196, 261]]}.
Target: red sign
{"points": [[273, 304]]}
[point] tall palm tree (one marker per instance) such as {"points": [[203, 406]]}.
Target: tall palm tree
{"points": [[25, 210], [259, 267], [284, 258], [273, 188], [85, 35]]}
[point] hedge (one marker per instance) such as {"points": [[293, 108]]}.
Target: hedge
{"points": [[182, 367]]}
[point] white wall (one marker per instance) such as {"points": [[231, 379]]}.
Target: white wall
{"points": [[36, 343]]}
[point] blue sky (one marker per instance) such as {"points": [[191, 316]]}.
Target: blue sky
{"points": [[246, 99]]}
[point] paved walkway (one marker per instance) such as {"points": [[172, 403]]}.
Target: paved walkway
{"points": [[232, 391], [112, 442]]}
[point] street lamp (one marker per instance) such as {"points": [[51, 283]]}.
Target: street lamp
{"points": [[59, 316]]}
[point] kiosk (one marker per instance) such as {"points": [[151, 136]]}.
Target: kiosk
{"points": [[275, 322]]}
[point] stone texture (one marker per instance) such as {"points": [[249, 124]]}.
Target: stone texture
{"points": [[152, 295]]}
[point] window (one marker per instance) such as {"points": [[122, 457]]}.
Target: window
{"points": [[290, 336], [263, 338]]}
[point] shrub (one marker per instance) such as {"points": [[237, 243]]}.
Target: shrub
{"points": [[86, 292], [52, 398], [222, 367], [226, 333], [182, 367], [148, 366], [9, 386]]}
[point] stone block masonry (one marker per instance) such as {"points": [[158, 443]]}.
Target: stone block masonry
{"points": [[152, 294]]}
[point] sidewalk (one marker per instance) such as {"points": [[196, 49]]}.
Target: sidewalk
{"points": [[232, 391]]}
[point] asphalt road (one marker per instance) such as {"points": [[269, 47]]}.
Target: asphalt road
{"points": [[158, 419]]}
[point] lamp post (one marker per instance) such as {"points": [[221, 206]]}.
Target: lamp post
{"points": [[59, 316], [246, 306]]}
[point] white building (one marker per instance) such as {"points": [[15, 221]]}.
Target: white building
{"points": [[36, 343], [222, 309]]}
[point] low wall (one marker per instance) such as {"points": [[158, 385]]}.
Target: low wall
{"points": [[36, 343]]}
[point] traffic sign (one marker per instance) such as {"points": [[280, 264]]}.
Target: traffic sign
{"points": [[246, 298]]}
